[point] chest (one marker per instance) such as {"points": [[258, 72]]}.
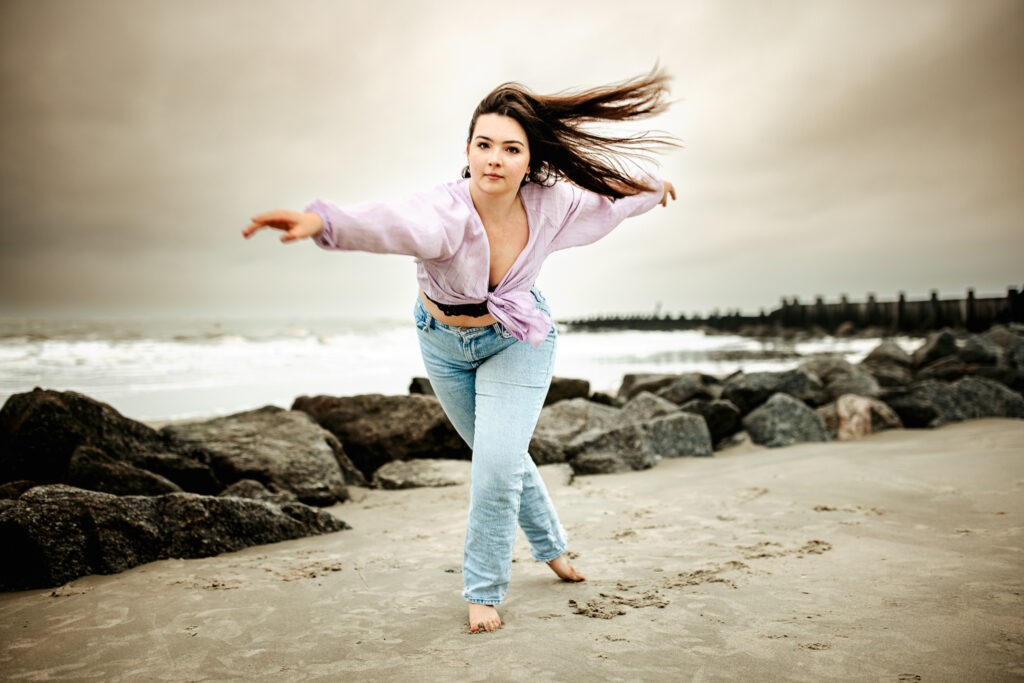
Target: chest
{"points": [[506, 241]]}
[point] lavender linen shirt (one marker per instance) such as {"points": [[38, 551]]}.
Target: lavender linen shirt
{"points": [[443, 231]]}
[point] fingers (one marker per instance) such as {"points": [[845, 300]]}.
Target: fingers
{"points": [[279, 219]]}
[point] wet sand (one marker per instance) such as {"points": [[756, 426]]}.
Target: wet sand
{"points": [[895, 558]]}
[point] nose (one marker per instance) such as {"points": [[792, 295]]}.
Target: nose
{"points": [[494, 158]]}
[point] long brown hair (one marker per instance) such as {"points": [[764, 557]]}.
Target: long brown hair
{"points": [[559, 145]]}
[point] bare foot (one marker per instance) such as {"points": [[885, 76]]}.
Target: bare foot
{"points": [[483, 618], [565, 571]]}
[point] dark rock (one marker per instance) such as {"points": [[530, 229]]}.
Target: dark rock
{"points": [[1010, 377], [750, 390], [722, 416], [407, 474], [889, 374], [559, 423], [889, 353], [41, 429], [685, 388], [603, 451], [421, 385], [946, 369], [931, 403], [1001, 336], [782, 421], [980, 398], [12, 490], [564, 388], [282, 448], [545, 450], [53, 534], [1014, 356], [828, 368], [604, 399], [937, 345], [377, 429], [853, 417], [979, 350], [90, 468], [635, 382], [858, 381], [677, 435], [646, 406], [250, 488]]}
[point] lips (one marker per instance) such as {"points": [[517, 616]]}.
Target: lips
{"points": [[493, 176]]}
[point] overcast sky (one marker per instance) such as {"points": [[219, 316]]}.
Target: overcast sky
{"points": [[830, 147]]}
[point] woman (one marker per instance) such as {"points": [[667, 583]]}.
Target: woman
{"points": [[485, 332]]}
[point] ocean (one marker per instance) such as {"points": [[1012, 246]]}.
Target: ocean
{"points": [[161, 369]]}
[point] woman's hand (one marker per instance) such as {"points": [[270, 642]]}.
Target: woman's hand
{"points": [[296, 225], [670, 189]]}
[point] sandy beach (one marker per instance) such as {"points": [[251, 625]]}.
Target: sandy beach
{"points": [[894, 558]]}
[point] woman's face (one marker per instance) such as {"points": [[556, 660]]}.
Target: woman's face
{"points": [[498, 154]]}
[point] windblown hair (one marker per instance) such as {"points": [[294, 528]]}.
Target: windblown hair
{"points": [[560, 147]]}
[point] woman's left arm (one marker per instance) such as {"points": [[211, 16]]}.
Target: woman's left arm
{"points": [[590, 216]]}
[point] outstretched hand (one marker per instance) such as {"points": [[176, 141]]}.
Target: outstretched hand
{"points": [[670, 189], [295, 225]]}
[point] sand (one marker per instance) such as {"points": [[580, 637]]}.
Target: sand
{"points": [[894, 558]]}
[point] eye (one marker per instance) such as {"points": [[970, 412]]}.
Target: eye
{"points": [[482, 145], [514, 150]]}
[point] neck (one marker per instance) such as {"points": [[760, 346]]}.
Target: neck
{"points": [[491, 206]]}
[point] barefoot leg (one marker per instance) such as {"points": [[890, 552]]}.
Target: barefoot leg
{"points": [[483, 617], [565, 571]]}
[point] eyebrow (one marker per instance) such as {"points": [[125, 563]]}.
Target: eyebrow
{"points": [[484, 137]]}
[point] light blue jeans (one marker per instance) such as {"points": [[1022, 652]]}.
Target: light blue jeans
{"points": [[492, 387]]}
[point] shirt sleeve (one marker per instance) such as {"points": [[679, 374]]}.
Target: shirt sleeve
{"points": [[590, 216], [425, 226]]}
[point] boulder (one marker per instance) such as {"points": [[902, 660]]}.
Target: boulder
{"points": [[646, 406], [53, 534], [40, 430], [376, 429], [889, 353], [782, 421], [282, 448], [857, 381], [1002, 336], [686, 388], [1014, 356], [421, 385], [853, 417], [603, 451], [250, 488], [564, 388], [559, 423], [90, 468], [407, 474], [677, 435], [635, 382], [946, 369], [889, 364], [980, 350], [749, 390], [12, 490], [931, 403], [721, 416], [936, 345], [828, 368]]}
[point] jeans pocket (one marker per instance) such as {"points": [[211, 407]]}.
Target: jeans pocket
{"points": [[420, 315]]}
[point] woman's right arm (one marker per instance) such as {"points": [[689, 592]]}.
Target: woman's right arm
{"points": [[415, 227]]}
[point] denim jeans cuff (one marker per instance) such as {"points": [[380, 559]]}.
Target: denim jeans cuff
{"points": [[482, 602], [548, 558]]}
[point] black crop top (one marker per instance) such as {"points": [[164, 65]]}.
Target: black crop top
{"points": [[474, 310]]}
